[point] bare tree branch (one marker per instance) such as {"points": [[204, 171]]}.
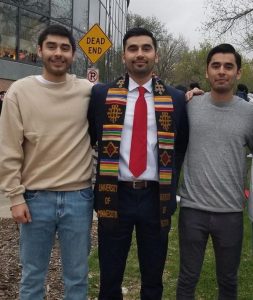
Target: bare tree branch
{"points": [[230, 17], [170, 48]]}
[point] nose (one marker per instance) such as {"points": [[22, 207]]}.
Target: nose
{"points": [[58, 51], [140, 52], [222, 70]]}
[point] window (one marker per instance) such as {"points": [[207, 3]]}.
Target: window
{"points": [[8, 21], [94, 12], [31, 26], [103, 18], [40, 6], [15, 2], [80, 14], [61, 10], [79, 66]]}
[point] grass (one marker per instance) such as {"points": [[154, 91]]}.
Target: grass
{"points": [[206, 289]]}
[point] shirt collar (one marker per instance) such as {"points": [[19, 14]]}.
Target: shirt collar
{"points": [[134, 85]]}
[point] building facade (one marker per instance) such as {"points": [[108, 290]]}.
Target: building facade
{"points": [[22, 21]]}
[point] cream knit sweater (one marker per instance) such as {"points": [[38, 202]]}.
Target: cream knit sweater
{"points": [[44, 141]]}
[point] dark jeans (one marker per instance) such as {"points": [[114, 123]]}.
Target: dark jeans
{"points": [[226, 231], [138, 209]]}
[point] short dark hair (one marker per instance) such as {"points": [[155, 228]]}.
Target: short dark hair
{"points": [[138, 31], [242, 87], [193, 85], [57, 30], [225, 48]]}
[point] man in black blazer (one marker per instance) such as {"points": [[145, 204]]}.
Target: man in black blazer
{"points": [[140, 151]]}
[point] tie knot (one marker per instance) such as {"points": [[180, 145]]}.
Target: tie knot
{"points": [[142, 90]]}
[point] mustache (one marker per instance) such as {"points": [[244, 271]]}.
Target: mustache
{"points": [[58, 60], [140, 61]]}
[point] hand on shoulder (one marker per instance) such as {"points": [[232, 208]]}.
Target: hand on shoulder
{"points": [[194, 92]]}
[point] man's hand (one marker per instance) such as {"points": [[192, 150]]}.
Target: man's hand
{"points": [[21, 214], [193, 92]]}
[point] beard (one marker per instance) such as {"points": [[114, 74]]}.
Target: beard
{"points": [[56, 70], [223, 88]]}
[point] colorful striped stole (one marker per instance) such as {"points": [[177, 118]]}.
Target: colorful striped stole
{"points": [[107, 177]]}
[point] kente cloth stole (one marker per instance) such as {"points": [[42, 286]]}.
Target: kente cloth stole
{"points": [[107, 179]]}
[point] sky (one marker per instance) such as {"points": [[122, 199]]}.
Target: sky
{"points": [[181, 17]]}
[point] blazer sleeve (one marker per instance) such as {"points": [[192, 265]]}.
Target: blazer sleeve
{"points": [[92, 117], [182, 128], [96, 112]]}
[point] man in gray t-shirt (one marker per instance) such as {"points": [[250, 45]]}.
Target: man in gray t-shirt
{"points": [[221, 127]]}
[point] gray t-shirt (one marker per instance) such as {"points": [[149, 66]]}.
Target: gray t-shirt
{"points": [[215, 161]]}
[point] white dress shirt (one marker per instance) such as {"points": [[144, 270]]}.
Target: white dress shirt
{"points": [[151, 172]]}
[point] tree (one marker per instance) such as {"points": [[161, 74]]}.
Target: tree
{"points": [[150, 23], [170, 49], [234, 17], [170, 53], [247, 74], [192, 67]]}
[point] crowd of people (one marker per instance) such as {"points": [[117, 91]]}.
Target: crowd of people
{"points": [[144, 131], [23, 55]]}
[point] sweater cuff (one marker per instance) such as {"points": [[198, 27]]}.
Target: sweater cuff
{"points": [[17, 199]]}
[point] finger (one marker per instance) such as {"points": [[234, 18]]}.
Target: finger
{"points": [[189, 95], [20, 219], [28, 216]]}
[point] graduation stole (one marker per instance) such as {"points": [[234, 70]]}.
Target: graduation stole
{"points": [[108, 165]]}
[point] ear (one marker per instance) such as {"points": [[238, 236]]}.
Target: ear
{"points": [[156, 58], [206, 75], [74, 56], [123, 57], [39, 51], [239, 74]]}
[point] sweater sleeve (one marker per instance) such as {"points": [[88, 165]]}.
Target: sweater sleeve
{"points": [[11, 151]]}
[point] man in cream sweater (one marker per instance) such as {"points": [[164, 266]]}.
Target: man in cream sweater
{"points": [[46, 167]]}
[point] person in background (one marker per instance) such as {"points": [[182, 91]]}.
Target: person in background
{"points": [[242, 91], [193, 85], [212, 193], [142, 131], [46, 167]]}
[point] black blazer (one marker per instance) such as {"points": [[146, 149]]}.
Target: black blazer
{"points": [[96, 117]]}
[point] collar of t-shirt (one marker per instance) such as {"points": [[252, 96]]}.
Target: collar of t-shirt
{"points": [[41, 79]]}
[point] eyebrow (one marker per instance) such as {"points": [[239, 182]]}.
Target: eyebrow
{"points": [[55, 44], [143, 45], [220, 63]]}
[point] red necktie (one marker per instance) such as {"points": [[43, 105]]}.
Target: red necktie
{"points": [[138, 152]]}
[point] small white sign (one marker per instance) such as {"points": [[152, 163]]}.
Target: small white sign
{"points": [[93, 75]]}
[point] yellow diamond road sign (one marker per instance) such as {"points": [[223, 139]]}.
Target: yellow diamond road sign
{"points": [[95, 43]]}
